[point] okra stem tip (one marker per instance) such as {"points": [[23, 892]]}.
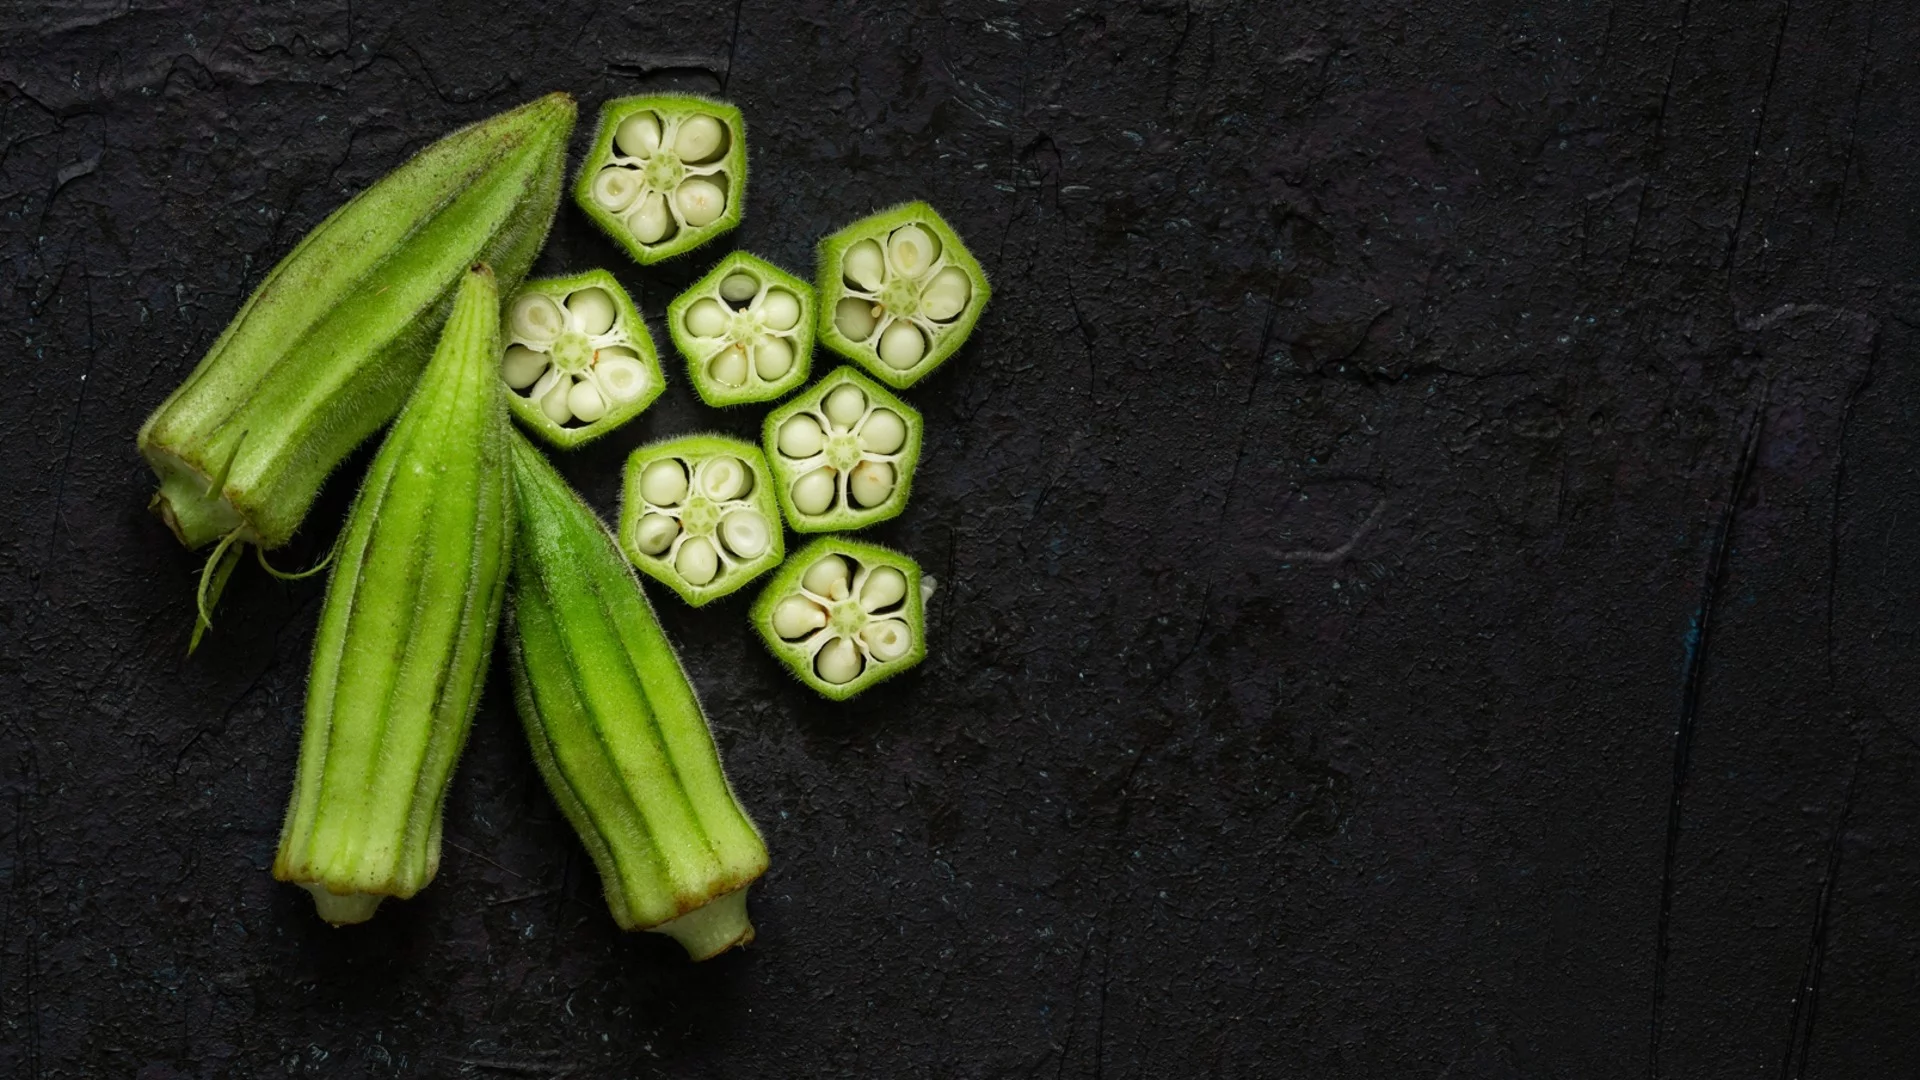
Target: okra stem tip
{"points": [[713, 928], [342, 910]]}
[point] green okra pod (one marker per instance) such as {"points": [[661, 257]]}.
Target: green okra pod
{"points": [[326, 349], [616, 729], [406, 630], [843, 615], [898, 293]]}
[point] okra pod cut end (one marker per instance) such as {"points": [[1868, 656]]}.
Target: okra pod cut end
{"points": [[577, 358], [898, 293], [666, 173], [342, 910], [746, 330], [843, 615], [842, 453], [698, 514], [706, 932]]}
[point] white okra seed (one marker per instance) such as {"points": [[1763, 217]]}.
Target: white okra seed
{"points": [[745, 533], [697, 561], [887, 639], [865, 266], [947, 294], [844, 406], [620, 374], [838, 661], [729, 366], [522, 367], [739, 288], [814, 493], [664, 482], [913, 249], [699, 138], [724, 478], [797, 616], [854, 318], [772, 358], [822, 577], [638, 135], [801, 437], [781, 309], [615, 187], [700, 200], [902, 346], [649, 220], [536, 318], [706, 318], [655, 533], [554, 402], [883, 589], [883, 433], [586, 402], [870, 482], [590, 311]]}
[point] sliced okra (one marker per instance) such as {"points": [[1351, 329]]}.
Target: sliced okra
{"points": [[698, 514], [899, 293], [842, 453], [666, 173], [843, 615], [746, 330], [578, 358]]}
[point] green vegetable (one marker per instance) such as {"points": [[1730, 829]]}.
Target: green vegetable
{"points": [[843, 615], [666, 173], [578, 358], [746, 330], [898, 293], [842, 454], [698, 515], [616, 729], [406, 630]]}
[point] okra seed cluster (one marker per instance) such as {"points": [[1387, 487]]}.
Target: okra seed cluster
{"points": [[847, 615], [847, 449], [571, 356], [667, 174], [901, 294], [697, 517]]}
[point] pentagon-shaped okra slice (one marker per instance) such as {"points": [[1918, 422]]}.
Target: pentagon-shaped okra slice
{"points": [[578, 358], [667, 173], [843, 615], [746, 330], [842, 453], [898, 293], [698, 514]]}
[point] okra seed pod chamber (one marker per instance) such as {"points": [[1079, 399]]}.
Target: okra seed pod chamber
{"points": [[898, 293], [746, 330], [666, 173], [578, 360], [698, 514], [842, 453], [843, 615]]}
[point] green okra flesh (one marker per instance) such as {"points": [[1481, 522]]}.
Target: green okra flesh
{"points": [[616, 729], [406, 630]]}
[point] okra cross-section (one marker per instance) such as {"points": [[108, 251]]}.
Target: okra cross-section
{"points": [[842, 453], [698, 514], [899, 293], [843, 615], [746, 330], [667, 173], [578, 358]]}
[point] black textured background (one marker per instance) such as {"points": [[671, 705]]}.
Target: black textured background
{"points": [[1427, 531]]}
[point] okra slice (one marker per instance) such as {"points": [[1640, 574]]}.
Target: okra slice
{"points": [[578, 358], [697, 513], [406, 631], [666, 173], [746, 330], [899, 293], [616, 729], [325, 351], [843, 615], [842, 453]]}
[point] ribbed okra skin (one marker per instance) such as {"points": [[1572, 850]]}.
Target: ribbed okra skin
{"points": [[616, 729], [406, 631], [326, 349]]}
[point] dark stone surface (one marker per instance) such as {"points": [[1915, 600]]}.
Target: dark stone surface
{"points": [[1427, 528]]}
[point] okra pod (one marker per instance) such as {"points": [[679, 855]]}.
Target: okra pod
{"points": [[898, 293], [697, 514], [578, 358], [843, 615], [616, 729], [666, 173], [746, 329], [842, 453], [406, 630]]}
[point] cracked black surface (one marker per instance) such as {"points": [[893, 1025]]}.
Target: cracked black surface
{"points": [[1426, 531]]}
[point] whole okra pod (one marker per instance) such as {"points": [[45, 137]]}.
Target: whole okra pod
{"points": [[406, 630], [616, 730]]}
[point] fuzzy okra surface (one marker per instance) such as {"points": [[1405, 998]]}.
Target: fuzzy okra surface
{"points": [[406, 630], [616, 729]]}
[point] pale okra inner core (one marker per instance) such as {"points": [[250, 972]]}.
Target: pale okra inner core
{"points": [[746, 330], [903, 294], [847, 451], [847, 616], [571, 355], [697, 518], [667, 173]]}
